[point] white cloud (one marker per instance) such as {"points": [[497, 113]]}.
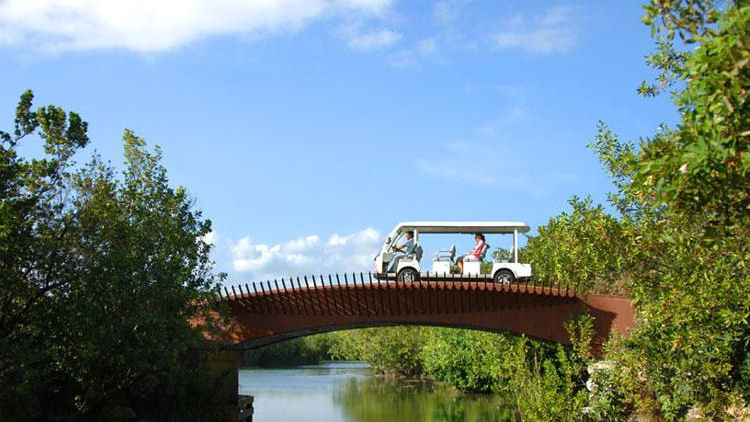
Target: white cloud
{"points": [[361, 39], [158, 25], [374, 40], [498, 167], [405, 59], [457, 163], [445, 12], [551, 32], [427, 47], [425, 50], [306, 255]]}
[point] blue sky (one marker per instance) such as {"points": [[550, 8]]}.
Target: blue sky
{"points": [[306, 129]]}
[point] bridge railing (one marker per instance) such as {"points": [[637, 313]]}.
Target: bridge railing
{"points": [[350, 293]]}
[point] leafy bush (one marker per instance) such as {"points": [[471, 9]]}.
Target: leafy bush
{"points": [[390, 350], [469, 360], [585, 249], [546, 389], [605, 400], [299, 351], [548, 382], [686, 194], [690, 342]]}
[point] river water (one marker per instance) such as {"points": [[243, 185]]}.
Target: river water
{"points": [[347, 391]]}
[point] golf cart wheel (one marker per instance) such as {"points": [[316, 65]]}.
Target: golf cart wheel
{"points": [[408, 274], [504, 277]]}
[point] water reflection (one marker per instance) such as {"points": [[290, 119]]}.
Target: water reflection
{"points": [[339, 391], [375, 400]]}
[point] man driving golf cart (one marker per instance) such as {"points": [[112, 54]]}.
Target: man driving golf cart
{"points": [[406, 249]]}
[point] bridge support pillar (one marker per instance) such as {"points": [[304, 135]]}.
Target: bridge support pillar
{"points": [[220, 372]]}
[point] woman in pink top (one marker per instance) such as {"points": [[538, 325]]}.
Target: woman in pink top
{"points": [[474, 255]]}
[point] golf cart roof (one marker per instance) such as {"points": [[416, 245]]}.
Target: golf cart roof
{"points": [[462, 226]]}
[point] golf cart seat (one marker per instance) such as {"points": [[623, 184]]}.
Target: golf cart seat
{"points": [[475, 267], [417, 254], [484, 251], [445, 255]]}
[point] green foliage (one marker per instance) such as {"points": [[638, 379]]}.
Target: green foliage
{"points": [[670, 63], [583, 249], [299, 351], [680, 246], [701, 167], [606, 401], [684, 196], [686, 18], [693, 322], [547, 388], [581, 331], [99, 275], [548, 382], [469, 360], [501, 255], [389, 350], [485, 267]]}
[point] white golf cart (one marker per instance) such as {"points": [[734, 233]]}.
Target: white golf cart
{"points": [[407, 267]]}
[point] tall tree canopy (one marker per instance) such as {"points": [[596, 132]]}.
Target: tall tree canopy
{"points": [[99, 272], [679, 245]]}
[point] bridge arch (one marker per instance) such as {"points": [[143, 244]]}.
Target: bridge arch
{"points": [[274, 311]]}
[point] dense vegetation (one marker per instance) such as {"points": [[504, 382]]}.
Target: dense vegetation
{"points": [[685, 193], [584, 249], [679, 242], [99, 275], [299, 351]]}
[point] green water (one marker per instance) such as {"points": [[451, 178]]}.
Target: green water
{"points": [[347, 391]]}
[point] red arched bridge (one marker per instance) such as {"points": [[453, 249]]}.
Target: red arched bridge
{"points": [[267, 312]]}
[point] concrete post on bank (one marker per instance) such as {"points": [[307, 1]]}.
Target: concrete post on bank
{"points": [[219, 374]]}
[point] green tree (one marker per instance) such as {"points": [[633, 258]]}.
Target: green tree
{"points": [[685, 193], [680, 244], [389, 350], [100, 274], [469, 360], [546, 388], [298, 351], [585, 249]]}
